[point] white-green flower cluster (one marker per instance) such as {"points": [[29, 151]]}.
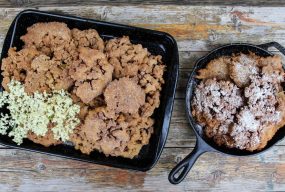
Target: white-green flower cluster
{"points": [[4, 123], [35, 112]]}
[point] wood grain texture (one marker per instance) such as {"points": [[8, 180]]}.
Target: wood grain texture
{"points": [[197, 29], [36, 3], [26, 171]]}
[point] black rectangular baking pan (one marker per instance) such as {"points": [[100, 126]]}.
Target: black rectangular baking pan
{"points": [[156, 42]]}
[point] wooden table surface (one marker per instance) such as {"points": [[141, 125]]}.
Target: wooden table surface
{"points": [[197, 29]]}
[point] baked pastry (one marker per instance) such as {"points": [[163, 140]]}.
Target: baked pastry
{"points": [[116, 83], [245, 111], [241, 67], [217, 68], [127, 101], [91, 74], [112, 134]]}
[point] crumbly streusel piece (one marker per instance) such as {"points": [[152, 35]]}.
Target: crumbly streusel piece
{"points": [[46, 37], [16, 65], [87, 38], [242, 67], [214, 105], [126, 57], [91, 74], [124, 95], [217, 68], [115, 135]]}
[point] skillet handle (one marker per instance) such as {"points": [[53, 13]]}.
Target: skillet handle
{"points": [[186, 164], [273, 44]]}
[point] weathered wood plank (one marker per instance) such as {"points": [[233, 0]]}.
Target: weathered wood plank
{"points": [[25, 171], [195, 28], [37, 3]]}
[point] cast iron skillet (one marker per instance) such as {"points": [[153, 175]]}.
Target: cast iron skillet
{"points": [[203, 144]]}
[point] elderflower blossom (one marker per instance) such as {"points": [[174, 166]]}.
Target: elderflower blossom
{"points": [[63, 113], [35, 112]]}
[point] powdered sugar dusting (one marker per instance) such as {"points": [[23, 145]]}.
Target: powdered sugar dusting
{"points": [[261, 99], [217, 99], [243, 129], [242, 67], [239, 117], [259, 112], [248, 121]]}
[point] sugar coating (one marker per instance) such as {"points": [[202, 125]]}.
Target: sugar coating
{"points": [[217, 99], [241, 68], [251, 123]]}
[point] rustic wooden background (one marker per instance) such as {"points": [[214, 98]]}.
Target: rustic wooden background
{"points": [[197, 30]]}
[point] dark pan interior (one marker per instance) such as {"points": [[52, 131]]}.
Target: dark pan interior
{"points": [[225, 51], [156, 42]]}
